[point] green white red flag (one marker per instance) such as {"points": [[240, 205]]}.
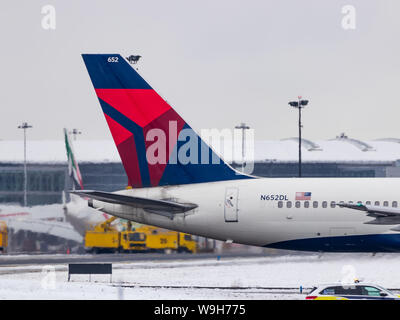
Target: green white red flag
{"points": [[73, 168]]}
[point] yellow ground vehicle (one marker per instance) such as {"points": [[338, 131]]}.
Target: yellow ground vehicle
{"points": [[106, 238], [3, 236], [164, 240]]}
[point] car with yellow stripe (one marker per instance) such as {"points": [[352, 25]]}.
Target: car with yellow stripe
{"points": [[352, 291]]}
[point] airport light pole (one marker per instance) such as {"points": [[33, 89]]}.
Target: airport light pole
{"points": [[25, 126], [300, 104], [243, 127]]}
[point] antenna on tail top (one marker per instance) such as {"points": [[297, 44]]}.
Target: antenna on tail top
{"points": [[133, 59]]}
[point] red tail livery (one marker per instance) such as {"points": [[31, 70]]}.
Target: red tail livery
{"points": [[155, 144]]}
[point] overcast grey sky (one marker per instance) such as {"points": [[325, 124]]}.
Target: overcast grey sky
{"points": [[217, 62]]}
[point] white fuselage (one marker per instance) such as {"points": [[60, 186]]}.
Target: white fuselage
{"points": [[247, 212]]}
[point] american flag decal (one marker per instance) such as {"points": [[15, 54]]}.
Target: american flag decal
{"points": [[303, 195]]}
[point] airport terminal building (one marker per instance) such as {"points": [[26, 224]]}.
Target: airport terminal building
{"points": [[101, 169]]}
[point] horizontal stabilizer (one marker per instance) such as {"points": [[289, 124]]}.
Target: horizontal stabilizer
{"points": [[161, 207]]}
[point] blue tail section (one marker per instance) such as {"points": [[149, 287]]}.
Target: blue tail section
{"points": [[157, 147]]}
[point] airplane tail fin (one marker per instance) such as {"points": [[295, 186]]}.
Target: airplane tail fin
{"points": [[73, 167], [157, 147]]}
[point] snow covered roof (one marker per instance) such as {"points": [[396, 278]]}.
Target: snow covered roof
{"points": [[53, 151], [337, 150], [341, 149]]}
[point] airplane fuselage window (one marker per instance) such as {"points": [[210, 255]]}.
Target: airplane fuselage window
{"points": [[324, 204]]}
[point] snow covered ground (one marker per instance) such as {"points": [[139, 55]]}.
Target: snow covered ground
{"points": [[233, 278]]}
